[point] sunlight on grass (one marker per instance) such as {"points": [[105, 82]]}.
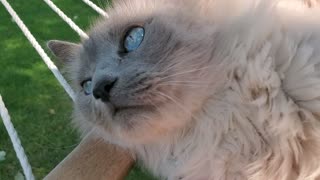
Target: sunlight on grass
{"points": [[12, 44]]}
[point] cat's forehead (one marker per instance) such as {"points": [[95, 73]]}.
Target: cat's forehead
{"points": [[107, 34], [108, 28], [110, 33]]}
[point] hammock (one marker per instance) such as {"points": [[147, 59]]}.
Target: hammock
{"points": [[73, 166]]}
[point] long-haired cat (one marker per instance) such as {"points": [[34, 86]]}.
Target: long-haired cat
{"points": [[204, 89]]}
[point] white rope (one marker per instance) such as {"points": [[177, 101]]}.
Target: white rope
{"points": [[66, 19], [39, 49], [15, 141], [96, 8], [4, 112]]}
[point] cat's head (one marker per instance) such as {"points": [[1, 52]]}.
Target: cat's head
{"points": [[143, 72]]}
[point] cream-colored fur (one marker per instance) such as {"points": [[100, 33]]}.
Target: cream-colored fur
{"points": [[251, 113], [264, 123], [236, 95]]}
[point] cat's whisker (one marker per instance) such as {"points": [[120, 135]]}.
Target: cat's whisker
{"points": [[187, 85], [153, 104], [173, 65], [176, 102], [179, 64], [184, 72], [154, 66], [170, 66], [145, 116], [176, 64], [191, 82]]}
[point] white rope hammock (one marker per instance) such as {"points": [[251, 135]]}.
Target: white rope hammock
{"points": [[66, 19], [16, 141], [96, 8], [27, 170]]}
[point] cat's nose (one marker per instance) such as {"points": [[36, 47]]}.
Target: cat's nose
{"points": [[103, 87]]}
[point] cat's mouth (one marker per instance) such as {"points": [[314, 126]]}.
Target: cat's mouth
{"points": [[116, 110], [123, 109]]}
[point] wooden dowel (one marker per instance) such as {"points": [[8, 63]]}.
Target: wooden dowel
{"points": [[93, 159]]}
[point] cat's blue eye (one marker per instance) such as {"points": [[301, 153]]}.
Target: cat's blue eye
{"points": [[87, 87], [133, 39]]}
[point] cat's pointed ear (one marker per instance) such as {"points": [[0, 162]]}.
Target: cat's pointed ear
{"points": [[63, 50]]}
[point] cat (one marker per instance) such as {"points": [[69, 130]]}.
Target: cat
{"points": [[204, 90]]}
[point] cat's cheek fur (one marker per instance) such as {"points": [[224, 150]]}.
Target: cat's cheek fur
{"points": [[135, 126], [141, 127], [88, 113]]}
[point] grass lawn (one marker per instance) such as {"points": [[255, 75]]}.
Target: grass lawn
{"points": [[39, 107]]}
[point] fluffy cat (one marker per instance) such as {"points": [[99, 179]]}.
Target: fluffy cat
{"points": [[204, 90]]}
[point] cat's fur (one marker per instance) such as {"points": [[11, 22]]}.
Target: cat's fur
{"points": [[235, 87]]}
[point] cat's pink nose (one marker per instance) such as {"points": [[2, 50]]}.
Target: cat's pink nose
{"points": [[103, 87]]}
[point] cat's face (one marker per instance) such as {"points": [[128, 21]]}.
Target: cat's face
{"points": [[140, 76]]}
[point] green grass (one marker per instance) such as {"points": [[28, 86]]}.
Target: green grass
{"points": [[39, 107]]}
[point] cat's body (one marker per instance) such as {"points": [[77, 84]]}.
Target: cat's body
{"points": [[249, 107]]}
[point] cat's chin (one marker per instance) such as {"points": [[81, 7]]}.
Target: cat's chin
{"points": [[140, 124], [130, 116], [121, 111], [136, 125]]}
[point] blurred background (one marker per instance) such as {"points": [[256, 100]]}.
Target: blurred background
{"points": [[39, 107]]}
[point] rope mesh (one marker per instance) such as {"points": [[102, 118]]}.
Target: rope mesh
{"points": [[3, 110], [66, 19], [15, 141], [95, 7]]}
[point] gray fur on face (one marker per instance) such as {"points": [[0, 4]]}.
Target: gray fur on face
{"points": [[162, 82]]}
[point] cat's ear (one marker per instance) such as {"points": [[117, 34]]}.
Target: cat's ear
{"points": [[63, 50]]}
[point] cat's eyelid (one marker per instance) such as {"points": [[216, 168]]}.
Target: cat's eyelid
{"points": [[86, 80], [129, 28]]}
